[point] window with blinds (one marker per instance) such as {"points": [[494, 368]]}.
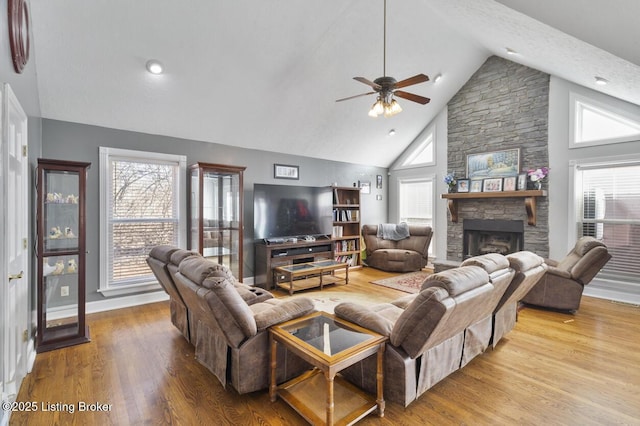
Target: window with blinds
{"points": [[140, 192], [611, 213], [416, 201]]}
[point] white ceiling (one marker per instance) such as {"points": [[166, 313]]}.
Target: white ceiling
{"points": [[266, 74]]}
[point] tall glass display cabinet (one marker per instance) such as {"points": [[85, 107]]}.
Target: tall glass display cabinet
{"points": [[215, 213], [61, 253]]}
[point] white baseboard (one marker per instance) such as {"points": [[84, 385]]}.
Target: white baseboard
{"points": [[109, 304], [126, 301]]}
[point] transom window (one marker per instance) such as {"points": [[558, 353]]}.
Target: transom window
{"points": [[140, 208], [422, 154], [595, 123]]}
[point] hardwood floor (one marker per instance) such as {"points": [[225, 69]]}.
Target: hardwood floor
{"points": [[553, 368]]}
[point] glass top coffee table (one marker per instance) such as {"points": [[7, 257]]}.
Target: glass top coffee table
{"points": [[315, 274], [329, 344]]}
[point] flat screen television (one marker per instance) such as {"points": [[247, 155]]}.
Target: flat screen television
{"points": [[287, 211]]}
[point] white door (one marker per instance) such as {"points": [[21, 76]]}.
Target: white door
{"points": [[14, 296]]}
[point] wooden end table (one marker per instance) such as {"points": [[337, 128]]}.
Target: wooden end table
{"points": [[330, 344]]}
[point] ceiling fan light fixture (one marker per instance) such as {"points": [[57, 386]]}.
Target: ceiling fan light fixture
{"points": [[377, 108], [392, 108]]}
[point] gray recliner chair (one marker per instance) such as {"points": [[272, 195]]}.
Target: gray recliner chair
{"points": [[562, 285]]}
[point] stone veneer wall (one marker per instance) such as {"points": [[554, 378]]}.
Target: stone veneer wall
{"points": [[503, 105]]}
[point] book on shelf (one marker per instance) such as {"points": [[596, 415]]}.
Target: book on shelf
{"points": [[349, 259], [337, 232], [346, 245], [345, 215]]}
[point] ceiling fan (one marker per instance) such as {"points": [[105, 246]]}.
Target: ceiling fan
{"points": [[386, 87]]}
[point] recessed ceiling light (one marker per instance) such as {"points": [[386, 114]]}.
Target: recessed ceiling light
{"points": [[154, 66], [511, 51], [601, 81], [437, 78], [392, 132]]}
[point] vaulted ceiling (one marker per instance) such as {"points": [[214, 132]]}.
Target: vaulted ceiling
{"points": [[266, 74]]}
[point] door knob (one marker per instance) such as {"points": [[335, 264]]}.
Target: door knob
{"points": [[15, 276]]}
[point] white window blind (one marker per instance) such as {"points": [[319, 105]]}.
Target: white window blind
{"points": [[141, 196], [416, 202], [611, 213]]}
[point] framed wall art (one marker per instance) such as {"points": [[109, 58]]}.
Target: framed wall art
{"points": [[493, 164], [365, 187], [285, 171]]}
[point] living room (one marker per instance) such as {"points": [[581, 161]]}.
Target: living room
{"points": [[52, 137]]}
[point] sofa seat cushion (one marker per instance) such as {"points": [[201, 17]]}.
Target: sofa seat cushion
{"points": [[396, 255], [379, 318], [276, 311]]}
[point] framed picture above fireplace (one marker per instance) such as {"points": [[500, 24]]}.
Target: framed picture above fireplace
{"points": [[492, 185], [493, 164]]}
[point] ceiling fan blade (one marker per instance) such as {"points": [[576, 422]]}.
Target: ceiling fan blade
{"points": [[368, 82], [420, 78], [410, 96], [356, 96]]}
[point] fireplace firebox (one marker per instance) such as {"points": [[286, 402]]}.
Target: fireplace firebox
{"points": [[482, 236]]}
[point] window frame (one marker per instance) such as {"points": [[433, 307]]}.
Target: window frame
{"points": [[106, 156]]}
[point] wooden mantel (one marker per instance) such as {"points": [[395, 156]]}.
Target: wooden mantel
{"points": [[529, 200]]}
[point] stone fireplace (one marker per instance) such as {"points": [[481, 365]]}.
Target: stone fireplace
{"points": [[481, 236], [504, 105]]}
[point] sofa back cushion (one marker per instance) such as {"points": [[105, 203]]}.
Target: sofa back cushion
{"points": [[197, 268], [163, 252], [232, 313], [448, 303], [418, 240], [529, 268], [181, 254]]}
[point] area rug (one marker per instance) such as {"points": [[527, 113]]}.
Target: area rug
{"points": [[409, 283], [327, 300]]}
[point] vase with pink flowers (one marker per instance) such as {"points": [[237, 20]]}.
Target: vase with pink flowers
{"points": [[537, 176]]}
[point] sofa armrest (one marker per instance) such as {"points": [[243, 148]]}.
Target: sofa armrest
{"points": [[558, 272], [282, 311], [364, 317]]}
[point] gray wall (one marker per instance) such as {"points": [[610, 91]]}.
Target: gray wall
{"points": [[80, 142]]}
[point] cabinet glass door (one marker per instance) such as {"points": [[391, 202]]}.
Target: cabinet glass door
{"points": [[216, 214], [61, 254], [221, 218]]}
